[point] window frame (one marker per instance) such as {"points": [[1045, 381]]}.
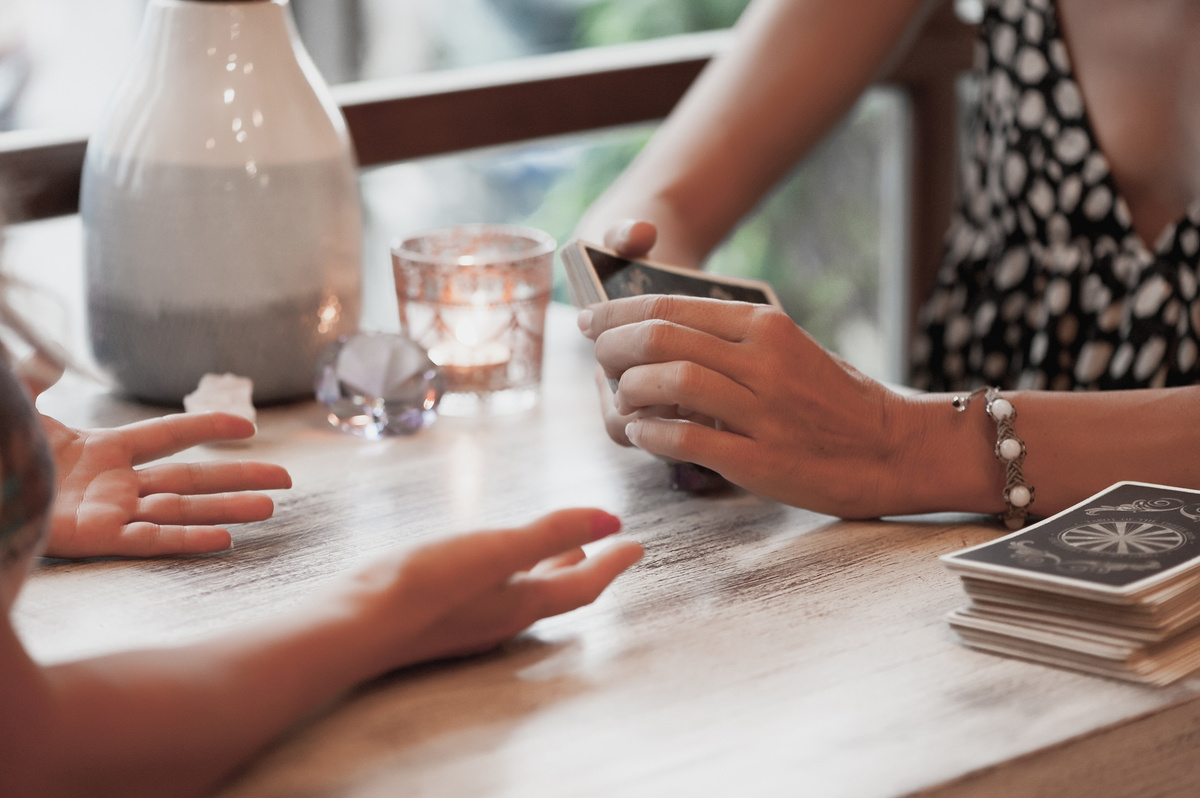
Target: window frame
{"points": [[584, 90]]}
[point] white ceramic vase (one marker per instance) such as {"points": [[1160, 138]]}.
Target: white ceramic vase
{"points": [[222, 221]]}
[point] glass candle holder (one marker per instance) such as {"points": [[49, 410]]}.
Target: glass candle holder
{"points": [[474, 297]]}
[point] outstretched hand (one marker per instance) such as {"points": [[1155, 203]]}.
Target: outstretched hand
{"points": [[465, 594], [106, 506]]}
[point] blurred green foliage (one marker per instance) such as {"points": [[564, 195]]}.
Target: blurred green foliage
{"points": [[613, 21]]}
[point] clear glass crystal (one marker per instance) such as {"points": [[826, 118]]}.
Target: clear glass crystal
{"points": [[378, 384]]}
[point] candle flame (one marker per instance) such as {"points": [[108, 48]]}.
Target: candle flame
{"points": [[466, 332], [328, 314]]}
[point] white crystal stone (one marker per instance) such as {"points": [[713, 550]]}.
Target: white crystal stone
{"points": [[223, 393], [1019, 496], [1010, 449], [1000, 409]]}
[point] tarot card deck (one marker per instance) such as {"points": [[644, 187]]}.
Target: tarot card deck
{"points": [[1110, 586]]}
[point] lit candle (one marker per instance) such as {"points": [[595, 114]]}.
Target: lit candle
{"points": [[469, 363]]}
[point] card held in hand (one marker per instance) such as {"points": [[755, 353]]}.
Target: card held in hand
{"points": [[1109, 586], [595, 274]]}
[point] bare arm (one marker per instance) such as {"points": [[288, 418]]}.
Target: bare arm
{"points": [[801, 426], [1078, 443], [177, 721], [796, 67]]}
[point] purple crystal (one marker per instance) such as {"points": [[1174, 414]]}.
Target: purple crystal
{"points": [[378, 385]]}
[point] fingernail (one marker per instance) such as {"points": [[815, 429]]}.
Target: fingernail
{"points": [[631, 432], [585, 320], [604, 525], [626, 230]]}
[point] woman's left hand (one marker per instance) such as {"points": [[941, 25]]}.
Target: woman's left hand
{"points": [[106, 506], [794, 422]]}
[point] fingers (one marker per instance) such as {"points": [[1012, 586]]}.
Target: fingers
{"points": [[663, 364], [544, 593], [480, 621], [725, 452], [614, 422], [720, 318], [39, 372], [208, 493], [158, 437], [631, 238], [558, 561], [212, 477], [521, 548], [460, 567], [699, 393], [656, 341], [683, 356], [144, 539], [208, 510]]}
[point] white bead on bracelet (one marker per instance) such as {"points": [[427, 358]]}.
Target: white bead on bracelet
{"points": [[1010, 450]]}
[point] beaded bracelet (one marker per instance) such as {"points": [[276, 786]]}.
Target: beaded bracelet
{"points": [[1010, 450]]}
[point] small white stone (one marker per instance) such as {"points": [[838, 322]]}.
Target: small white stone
{"points": [[1019, 496], [223, 393], [1010, 449], [1000, 409]]}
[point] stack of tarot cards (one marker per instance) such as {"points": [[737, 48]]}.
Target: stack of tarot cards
{"points": [[1110, 586]]}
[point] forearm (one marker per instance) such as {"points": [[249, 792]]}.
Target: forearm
{"points": [[1077, 444], [795, 68], [177, 721], [1080, 443]]}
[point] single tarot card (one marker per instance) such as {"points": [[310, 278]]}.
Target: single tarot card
{"points": [[1124, 539], [595, 274], [622, 277], [582, 285]]}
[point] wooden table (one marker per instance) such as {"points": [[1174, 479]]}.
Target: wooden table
{"points": [[757, 650]]}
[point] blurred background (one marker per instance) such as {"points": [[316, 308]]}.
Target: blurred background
{"points": [[831, 238]]}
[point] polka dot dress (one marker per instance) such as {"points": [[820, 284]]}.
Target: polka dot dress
{"points": [[1045, 284]]}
